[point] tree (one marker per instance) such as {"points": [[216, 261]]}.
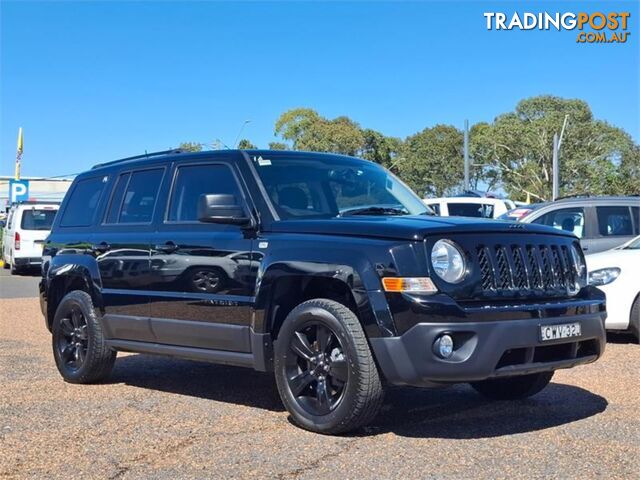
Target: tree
{"points": [[379, 148], [307, 130], [518, 147], [278, 146], [245, 144], [431, 161], [190, 147]]}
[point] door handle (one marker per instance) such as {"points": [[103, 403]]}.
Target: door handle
{"points": [[168, 247], [100, 247]]}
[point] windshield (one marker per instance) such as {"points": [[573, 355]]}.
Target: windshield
{"points": [[36, 219], [633, 244], [326, 186]]}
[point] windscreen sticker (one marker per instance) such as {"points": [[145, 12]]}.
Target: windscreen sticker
{"points": [[263, 162]]}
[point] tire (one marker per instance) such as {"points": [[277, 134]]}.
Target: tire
{"points": [[206, 279], [343, 368], [79, 348], [6, 265], [634, 320], [513, 388]]}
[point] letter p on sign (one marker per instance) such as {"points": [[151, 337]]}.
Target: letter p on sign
{"points": [[18, 190]]}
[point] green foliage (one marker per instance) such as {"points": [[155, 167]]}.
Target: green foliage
{"points": [[517, 149], [190, 147], [245, 144], [278, 146], [430, 161], [306, 130], [513, 153]]}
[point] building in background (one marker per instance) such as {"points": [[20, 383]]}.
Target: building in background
{"points": [[40, 189]]}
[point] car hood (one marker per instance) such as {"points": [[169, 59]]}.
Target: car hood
{"points": [[407, 227]]}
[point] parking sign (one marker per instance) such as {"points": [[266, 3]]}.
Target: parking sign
{"points": [[18, 190]]}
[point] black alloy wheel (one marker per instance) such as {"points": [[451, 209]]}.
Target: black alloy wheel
{"points": [[80, 350], [73, 343], [316, 368], [325, 373]]}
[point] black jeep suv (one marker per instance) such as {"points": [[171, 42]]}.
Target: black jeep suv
{"points": [[324, 269]]}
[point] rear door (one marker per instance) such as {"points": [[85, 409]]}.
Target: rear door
{"points": [[615, 225], [121, 244], [204, 274]]}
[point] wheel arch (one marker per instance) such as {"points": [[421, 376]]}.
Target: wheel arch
{"points": [[67, 274], [285, 284]]}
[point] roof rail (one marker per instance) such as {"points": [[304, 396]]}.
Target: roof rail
{"points": [[575, 195], [135, 157]]}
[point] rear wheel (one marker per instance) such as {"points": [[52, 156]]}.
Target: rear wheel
{"points": [[634, 321], [513, 388], [326, 375], [79, 347]]}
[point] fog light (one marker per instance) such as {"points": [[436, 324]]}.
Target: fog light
{"points": [[443, 346]]}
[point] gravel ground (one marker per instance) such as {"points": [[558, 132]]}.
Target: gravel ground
{"points": [[164, 418]]}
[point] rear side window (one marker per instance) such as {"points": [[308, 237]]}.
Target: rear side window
{"points": [[567, 219], [82, 204], [135, 196], [195, 180], [614, 221], [37, 219], [470, 210]]}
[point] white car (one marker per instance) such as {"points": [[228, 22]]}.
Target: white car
{"points": [[27, 227], [483, 207], [616, 273]]}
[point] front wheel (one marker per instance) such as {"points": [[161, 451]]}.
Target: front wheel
{"points": [[79, 347], [326, 375], [513, 388]]}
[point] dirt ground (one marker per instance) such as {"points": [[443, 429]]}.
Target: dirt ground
{"points": [[165, 418]]}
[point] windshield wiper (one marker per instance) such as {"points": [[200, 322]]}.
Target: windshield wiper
{"points": [[374, 211]]}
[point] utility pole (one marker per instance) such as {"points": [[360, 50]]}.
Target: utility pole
{"points": [[555, 168], [466, 155]]}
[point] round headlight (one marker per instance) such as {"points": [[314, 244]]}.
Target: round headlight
{"points": [[448, 261]]}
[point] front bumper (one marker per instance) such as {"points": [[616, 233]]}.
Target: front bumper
{"points": [[486, 349]]}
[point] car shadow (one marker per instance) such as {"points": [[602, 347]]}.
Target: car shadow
{"points": [[621, 338], [455, 412], [459, 412]]}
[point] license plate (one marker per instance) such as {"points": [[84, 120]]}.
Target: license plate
{"points": [[554, 332]]}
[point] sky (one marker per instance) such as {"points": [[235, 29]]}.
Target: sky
{"points": [[96, 81]]}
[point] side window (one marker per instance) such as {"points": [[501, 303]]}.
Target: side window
{"points": [[470, 210], [140, 196], [435, 207], [569, 219], [614, 221], [82, 204], [116, 198], [194, 180], [635, 211]]}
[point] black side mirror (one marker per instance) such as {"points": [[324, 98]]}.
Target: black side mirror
{"points": [[221, 208]]}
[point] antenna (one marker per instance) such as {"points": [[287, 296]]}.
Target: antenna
{"points": [[235, 143]]}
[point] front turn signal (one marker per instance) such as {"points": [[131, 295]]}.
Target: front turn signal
{"points": [[409, 284]]}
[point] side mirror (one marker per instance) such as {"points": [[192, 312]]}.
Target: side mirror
{"points": [[221, 208]]}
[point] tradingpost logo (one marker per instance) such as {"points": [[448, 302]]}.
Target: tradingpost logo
{"points": [[596, 27]]}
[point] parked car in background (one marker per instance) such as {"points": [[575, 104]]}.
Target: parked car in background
{"points": [[27, 226], [601, 223], [615, 272], [481, 207]]}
